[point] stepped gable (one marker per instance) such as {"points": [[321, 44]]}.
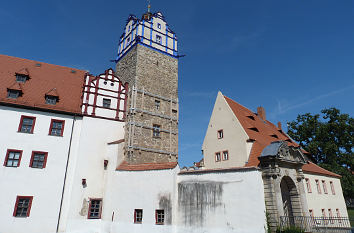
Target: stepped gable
{"points": [[262, 132], [43, 77], [125, 166]]}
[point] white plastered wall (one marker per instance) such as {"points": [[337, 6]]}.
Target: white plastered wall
{"points": [[239, 205], [45, 185], [317, 202], [234, 140]]}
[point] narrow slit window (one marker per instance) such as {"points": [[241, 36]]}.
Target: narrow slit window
{"points": [[138, 216], [217, 156], [308, 185], [156, 131], [318, 187], [324, 187], [332, 188], [157, 104], [220, 134], [225, 155]]}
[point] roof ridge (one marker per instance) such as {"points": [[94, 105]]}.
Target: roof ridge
{"points": [[41, 62]]}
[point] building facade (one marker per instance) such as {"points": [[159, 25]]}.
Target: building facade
{"points": [[86, 153]]}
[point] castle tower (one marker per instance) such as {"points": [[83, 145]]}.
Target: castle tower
{"points": [[147, 60]]}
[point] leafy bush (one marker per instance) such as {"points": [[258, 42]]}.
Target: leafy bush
{"points": [[291, 229]]}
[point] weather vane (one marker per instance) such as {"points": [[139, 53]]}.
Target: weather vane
{"points": [[149, 5]]}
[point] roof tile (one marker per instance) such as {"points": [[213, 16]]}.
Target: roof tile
{"points": [[125, 166]]}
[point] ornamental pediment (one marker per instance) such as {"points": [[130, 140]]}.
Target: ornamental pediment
{"points": [[281, 151]]}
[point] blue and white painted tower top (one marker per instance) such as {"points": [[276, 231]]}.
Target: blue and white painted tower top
{"points": [[152, 31]]}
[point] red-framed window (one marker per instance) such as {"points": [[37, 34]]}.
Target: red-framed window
{"points": [[13, 158], [217, 157], [220, 134], [308, 185], [311, 213], [324, 186], [56, 127], [318, 186], [338, 216], [225, 155], [26, 124], [23, 206], [138, 216], [332, 188], [38, 159], [95, 208], [160, 217], [330, 215]]}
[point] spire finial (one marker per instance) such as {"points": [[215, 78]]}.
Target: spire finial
{"points": [[149, 6]]}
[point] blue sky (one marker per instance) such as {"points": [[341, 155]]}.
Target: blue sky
{"points": [[291, 57]]}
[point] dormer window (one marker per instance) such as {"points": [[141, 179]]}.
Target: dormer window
{"points": [[13, 94], [158, 39], [21, 78], [51, 99]]}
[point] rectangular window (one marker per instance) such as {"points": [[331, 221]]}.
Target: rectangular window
{"points": [[324, 186], [330, 215], [308, 185], [26, 124], [332, 188], [217, 157], [23, 206], [13, 94], [156, 131], [13, 158], [38, 159], [56, 127], [311, 213], [52, 100], [21, 78], [225, 155], [157, 104], [160, 216], [338, 216], [106, 103], [138, 216], [95, 209], [158, 39], [159, 26], [318, 186], [324, 217], [220, 134]]}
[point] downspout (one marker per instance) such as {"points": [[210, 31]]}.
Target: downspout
{"points": [[66, 171]]}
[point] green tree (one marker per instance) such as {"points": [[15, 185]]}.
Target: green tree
{"points": [[329, 138]]}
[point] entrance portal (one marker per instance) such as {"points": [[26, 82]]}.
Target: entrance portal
{"points": [[288, 194]]}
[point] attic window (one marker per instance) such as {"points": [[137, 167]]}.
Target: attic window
{"points": [[21, 78], [52, 100], [254, 129], [251, 117], [288, 140], [158, 39], [159, 26], [274, 136], [13, 94]]}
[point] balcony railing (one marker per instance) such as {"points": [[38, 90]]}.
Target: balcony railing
{"points": [[317, 224]]}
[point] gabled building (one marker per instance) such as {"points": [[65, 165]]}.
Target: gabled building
{"points": [[293, 186]]}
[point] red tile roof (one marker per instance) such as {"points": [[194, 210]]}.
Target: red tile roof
{"points": [[125, 166], [267, 133], [44, 79], [313, 168]]}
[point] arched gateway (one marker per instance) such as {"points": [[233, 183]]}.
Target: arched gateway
{"points": [[282, 174]]}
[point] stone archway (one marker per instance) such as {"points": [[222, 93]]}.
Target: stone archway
{"points": [[289, 196]]}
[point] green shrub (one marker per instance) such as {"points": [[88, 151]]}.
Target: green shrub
{"points": [[291, 229]]}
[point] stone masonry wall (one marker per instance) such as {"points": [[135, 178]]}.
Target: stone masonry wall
{"points": [[151, 75]]}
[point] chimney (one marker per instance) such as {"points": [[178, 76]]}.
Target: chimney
{"points": [[279, 125], [261, 113]]}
